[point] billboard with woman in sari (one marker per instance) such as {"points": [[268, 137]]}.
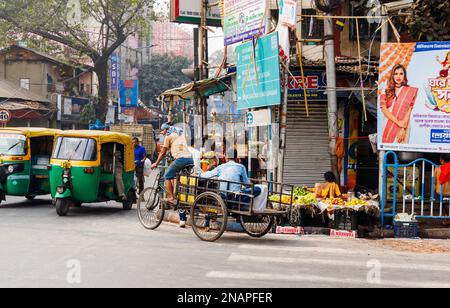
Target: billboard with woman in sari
{"points": [[414, 97]]}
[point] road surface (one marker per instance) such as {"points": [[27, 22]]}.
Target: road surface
{"points": [[101, 245]]}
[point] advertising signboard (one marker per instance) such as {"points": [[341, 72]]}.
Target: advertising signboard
{"points": [[414, 97], [115, 72], [288, 12], [260, 87], [188, 12], [129, 91], [315, 83], [243, 20]]}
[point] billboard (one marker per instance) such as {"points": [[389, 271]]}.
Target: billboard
{"points": [[414, 97], [129, 92], [189, 12], [260, 87], [315, 83], [243, 20]]}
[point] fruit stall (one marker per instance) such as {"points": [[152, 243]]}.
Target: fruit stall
{"points": [[344, 212]]}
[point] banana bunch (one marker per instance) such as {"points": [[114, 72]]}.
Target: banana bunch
{"points": [[357, 202]]}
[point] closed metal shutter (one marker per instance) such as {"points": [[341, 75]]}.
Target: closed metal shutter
{"points": [[307, 144]]}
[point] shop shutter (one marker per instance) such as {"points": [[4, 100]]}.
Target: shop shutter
{"points": [[307, 144]]}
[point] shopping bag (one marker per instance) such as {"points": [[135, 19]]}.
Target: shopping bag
{"points": [[147, 167]]}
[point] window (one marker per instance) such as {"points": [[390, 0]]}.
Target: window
{"points": [[25, 84], [11, 144], [367, 27], [81, 149], [312, 28]]}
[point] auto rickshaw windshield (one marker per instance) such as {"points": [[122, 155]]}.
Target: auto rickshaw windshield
{"points": [[12, 145], [78, 149]]}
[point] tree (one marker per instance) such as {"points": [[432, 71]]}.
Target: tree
{"points": [[94, 28], [430, 20], [163, 72]]}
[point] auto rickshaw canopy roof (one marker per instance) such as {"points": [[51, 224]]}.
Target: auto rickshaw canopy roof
{"points": [[100, 136], [31, 132]]}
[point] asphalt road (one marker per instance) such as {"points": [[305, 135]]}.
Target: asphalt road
{"points": [[103, 246]]}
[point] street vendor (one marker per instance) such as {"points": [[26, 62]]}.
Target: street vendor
{"points": [[329, 189]]}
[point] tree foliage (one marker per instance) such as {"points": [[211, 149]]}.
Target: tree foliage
{"points": [[93, 28], [430, 20], [162, 73]]}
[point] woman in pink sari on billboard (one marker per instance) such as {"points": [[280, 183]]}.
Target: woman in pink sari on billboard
{"points": [[397, 105]]}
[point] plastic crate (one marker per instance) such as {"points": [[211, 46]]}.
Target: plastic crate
{"points": [[406, 229], [345, 220]]}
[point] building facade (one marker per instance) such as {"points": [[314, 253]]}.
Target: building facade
{"points": [[67, 86]]}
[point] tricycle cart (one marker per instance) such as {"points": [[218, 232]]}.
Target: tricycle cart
{"points": [[212, 205]]}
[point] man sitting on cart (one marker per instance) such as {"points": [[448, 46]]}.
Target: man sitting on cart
{"points": [[235, 172]]}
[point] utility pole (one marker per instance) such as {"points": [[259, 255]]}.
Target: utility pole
{"points": [[331, 92], [381, 154], [203, 66]]}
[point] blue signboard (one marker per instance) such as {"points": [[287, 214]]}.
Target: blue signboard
{"points": [[115, 71], [440, 136], [260, 87], [315, 84], [129, 91]]}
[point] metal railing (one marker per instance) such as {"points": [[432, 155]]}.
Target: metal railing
{"points": [[419, 196]]}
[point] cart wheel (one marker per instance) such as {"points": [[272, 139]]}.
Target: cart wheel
{"points": [[209, 217], [150, 209], [256, 226], [62, 207], [29, 197]]}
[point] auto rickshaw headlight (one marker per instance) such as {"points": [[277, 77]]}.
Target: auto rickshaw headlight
{"points": [[60, 190], [10, 168], [65, 180]]}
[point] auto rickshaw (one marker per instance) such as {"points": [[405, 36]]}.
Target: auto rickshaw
{"points": [[25, 161], [83, 169]]}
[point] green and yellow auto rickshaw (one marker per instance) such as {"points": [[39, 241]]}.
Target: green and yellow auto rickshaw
{"points": [[85, 169], [25, 161]]}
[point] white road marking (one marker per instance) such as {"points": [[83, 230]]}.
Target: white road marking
{"points": [[304, 249], [334, 262], [336, 282]]}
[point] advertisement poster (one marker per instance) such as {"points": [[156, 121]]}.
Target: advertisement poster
{"points": [[414, 97], [243, 19], [288, 12], [129, 91], [188, 12], [260, 87], [315, 83]]}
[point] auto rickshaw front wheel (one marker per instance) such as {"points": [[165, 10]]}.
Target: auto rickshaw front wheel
{"points": [[30, 197], [62, 207]]}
